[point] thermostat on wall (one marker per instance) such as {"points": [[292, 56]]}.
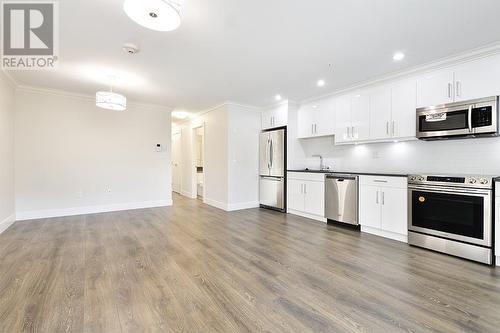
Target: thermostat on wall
{"points": [[159, 147]]}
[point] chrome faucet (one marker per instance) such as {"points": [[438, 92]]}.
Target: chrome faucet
{"points": [[321, 165]]}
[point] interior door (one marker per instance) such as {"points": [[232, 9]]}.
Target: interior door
{"points": [[176, 162], [277, 153], [264, 163]]}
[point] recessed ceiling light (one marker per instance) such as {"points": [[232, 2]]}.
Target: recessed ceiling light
{"points": [[180, 114], [159, 15], [315, 106], [321, 83], [278, 97], [398, 56]]}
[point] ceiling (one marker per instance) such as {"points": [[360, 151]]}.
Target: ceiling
{"points": [[248, 51]]}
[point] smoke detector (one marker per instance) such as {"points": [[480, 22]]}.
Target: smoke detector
{"points": [[130, 48]]}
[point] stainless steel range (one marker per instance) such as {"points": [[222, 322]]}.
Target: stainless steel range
{"points": [[452, 214]]}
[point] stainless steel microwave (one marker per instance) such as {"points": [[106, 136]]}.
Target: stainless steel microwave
{"points": [[474, 118]]}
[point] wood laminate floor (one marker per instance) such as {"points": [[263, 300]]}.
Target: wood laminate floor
{"points": [[194, 268]]}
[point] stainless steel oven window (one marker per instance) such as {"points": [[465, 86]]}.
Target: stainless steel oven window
{"points": [[486, 197]]}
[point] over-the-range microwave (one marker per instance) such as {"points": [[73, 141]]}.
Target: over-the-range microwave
{"points": [[474, 118]]}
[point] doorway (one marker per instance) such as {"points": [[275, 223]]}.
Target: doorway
{"points": [[176, 162], [199, 161]]}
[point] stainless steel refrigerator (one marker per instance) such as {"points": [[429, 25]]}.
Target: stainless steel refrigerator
{"points": [[272, 169]]}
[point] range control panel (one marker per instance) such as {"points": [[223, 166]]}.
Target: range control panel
{"points": [[463, 181]]}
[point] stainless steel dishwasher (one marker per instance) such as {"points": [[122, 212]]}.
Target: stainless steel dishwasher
{"points": [[341, 198]]}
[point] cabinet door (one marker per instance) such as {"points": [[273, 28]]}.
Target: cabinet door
{"points": [[343, 119], [435, 88], [280, 114], [360, 116], [394, 203], [266, 119], [324, 121], [404, 105], [295, 195], [380, 113], [478, 79], [306, 120], [369, 206], [315, 198]]}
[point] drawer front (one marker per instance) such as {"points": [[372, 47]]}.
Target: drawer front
{"points": [[315, 177], [384, 181]]}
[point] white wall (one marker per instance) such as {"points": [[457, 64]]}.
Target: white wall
{"points": [[72, 157], [469, 156], [231, 156], [7, 196], [244, 130]]}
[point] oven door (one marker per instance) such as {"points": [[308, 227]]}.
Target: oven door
{"points": [[453, 213]]}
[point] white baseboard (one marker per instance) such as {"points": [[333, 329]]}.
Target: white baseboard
{"points": [[7, 222], [188, 194], [497, 261], [242, 205], [385, 234], [215, 203], [48, 213], [307, 215]]}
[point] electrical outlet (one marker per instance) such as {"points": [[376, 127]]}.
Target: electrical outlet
{"points": [[108, 189]]}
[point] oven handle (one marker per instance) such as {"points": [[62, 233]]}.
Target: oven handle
{"points": [[448, 190]]}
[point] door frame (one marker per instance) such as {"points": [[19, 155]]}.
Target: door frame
{"points": [[179, 132], [194, 184]]}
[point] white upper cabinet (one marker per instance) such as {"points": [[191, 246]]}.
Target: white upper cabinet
{"points": [[343, 119], [360, 116], [404, 105], [474, 79], [317, 118], [275, 117], [478, 79], [380, 113], [435, 88]]}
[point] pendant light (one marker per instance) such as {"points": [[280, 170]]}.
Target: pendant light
{"points": [[110, 100], [159, 15]]}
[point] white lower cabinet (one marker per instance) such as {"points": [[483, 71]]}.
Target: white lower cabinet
{"points": [[383, 206], [306, 195]]}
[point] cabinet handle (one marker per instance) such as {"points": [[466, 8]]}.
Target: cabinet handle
{"points": [[379, 181], [459, 88], [301, 188], [387, 127], [393, 127], [383, 198], [450, 90], [376, 199], [305, 188], [315, 129], [348, 135], [352, 131]]}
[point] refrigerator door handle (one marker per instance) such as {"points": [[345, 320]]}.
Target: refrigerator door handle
{"points": [[271, 153]]}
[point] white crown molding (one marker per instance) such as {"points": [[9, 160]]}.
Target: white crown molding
{"points": [[85, 97], [8, 78], [274, 105], [449, 61]]}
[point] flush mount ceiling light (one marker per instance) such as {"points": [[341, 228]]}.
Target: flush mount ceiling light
{"points": [[321, 83], [110, 100], [159, 15], [398, 56], [180, 115]]}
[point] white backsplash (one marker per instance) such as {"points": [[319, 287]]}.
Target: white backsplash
{"points": [[468, 156]]}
